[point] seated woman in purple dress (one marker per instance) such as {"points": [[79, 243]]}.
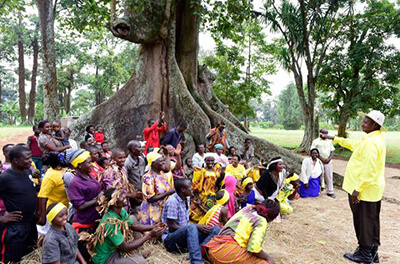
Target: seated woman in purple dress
{"points": [[310, 178]]}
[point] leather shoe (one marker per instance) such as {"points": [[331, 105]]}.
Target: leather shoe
{"points": [[361, 255], [375, 256], [332, 195]]}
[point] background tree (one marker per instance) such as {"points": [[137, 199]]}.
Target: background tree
{"points": [[242, 58], [307, 29], [47, 12], [35, 49], [361, 71], [168, 78], [289, 108]]}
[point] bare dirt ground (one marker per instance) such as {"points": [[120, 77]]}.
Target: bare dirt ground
{"points": [[320, 231], [18, 137]]}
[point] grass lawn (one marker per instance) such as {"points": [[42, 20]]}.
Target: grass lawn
{"points": [[292, 139], [9, 132]]}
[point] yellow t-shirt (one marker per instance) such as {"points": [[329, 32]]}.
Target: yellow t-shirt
{"points": [[239, 172], [53, 188], [365, 170]]}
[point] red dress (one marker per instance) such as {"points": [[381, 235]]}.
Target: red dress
{"points": [[99, 137], [151, 135], [34, 147]]}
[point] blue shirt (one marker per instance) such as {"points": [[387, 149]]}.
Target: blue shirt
{"points": [[176, 209], [173, 137]]}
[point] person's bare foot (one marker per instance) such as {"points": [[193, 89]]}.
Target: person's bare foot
{"points": [[146, 253], [186, 262]]}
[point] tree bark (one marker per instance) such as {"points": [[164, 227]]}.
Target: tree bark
{"points": [[1, 102], [168, 78], [21, 74], [50, 92], [32, 94], [343, 119]]}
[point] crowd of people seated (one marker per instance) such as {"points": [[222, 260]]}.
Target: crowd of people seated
{"points": [[215, 205]]}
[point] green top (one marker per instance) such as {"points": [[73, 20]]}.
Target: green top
{"points": [[112, 238]]}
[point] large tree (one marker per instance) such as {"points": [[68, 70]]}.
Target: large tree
{"points": [[35, 50], [47, 12], [362, 68], [307, 28], [168, 78]]}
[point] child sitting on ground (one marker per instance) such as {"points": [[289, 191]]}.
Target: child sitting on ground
{"points": [[58, 134], [248, 195], [60, 244], [218, 214]]}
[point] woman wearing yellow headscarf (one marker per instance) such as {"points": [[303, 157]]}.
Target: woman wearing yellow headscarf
{"points": [[218, 214], [156, 189], [204, 188]]}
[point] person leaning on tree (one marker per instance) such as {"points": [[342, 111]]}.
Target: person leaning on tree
{"points": [[364, 181]]}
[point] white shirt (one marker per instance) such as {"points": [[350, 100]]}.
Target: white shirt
{"points": [[222, 159], [324, 147], [73, 144], [308, 169], [198, 161]]}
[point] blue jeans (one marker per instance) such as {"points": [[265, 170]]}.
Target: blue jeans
{"points": [[38, 163], [190, 239]]}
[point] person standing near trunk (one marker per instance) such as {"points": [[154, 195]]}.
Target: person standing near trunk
{"points": [[325, 149], [364, 181]]}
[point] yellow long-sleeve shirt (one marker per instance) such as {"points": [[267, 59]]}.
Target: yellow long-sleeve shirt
{"points": [[365, 171]]}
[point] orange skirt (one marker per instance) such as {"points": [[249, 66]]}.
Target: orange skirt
{"points": [[225, 250]]}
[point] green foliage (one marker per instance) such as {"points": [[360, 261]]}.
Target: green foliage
{"points": [[85, 16], [326, 126], [278, 127], [242, 58], [266, 125], [361, 71], [11, 112], [290, 115]]}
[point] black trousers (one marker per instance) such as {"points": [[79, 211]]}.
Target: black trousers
{"points": [[16, 241], [366, 222]]}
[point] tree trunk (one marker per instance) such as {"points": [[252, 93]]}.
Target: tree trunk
{"points": [[1, 102], [168, 78], [343, 119], [310, 115], [50, 93], [96, 89], [21, 75], [246, 123], [32, 94]]}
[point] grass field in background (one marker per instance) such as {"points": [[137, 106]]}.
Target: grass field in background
{"points": [[292, 139], [9, 132]]}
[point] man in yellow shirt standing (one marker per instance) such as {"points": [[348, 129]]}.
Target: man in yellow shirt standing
{"points": [[325, 149], [365, 181]]}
